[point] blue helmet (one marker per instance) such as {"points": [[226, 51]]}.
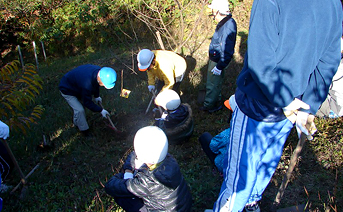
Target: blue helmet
{"points": [[108, 77]]}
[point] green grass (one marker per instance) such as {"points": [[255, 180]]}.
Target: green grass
{"points": [[72, 172]]}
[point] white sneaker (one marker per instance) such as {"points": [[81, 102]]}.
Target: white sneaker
{"points": [[252, 207]]}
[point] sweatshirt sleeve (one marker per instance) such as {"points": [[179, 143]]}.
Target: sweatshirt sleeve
{"points": [[151, 78], [320, 80], [229, 46], [96, 92], [168, 78], [88, 103], [262, 46]]}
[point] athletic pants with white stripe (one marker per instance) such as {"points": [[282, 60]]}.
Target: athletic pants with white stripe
{"points": [[254, 151]]}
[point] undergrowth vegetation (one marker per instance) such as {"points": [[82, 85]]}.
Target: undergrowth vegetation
{"points": [[72, 169]]}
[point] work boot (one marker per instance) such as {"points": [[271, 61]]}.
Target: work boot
{"points": [[211, 110], [252, 207], [72, 122], [216, 108], [87, 134], [203, 108]]}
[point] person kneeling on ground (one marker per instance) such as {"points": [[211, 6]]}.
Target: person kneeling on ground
{"points": [[152, 180], [216, 147], [176, 121]]}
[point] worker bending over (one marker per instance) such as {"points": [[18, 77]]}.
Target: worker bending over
{"points": [[80, 84], [167, 67]]}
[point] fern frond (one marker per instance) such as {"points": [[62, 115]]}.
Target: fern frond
{"points": [[19, 89], [8, 70]]}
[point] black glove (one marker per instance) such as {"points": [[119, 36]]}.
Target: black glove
{"points": [[130, 162]]}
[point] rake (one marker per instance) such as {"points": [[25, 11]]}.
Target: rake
{"points": [[23, 178]]}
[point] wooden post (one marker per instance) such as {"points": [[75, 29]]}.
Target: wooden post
{"points": [[122, 81], [43, 50], [21, 58], [34, 49]]}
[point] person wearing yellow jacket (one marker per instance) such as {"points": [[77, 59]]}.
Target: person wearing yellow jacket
{"points": [[165, 66]]}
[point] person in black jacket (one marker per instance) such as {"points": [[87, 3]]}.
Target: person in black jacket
{"points": [[80, 84], [152, 180]]}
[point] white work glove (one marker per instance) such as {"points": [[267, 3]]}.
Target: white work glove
{"points": [[304, 121], [4, 130], [98, 100], [216, 71], [164, 115], [128, 175], [104, 113], [305, 124], [151, 88]]}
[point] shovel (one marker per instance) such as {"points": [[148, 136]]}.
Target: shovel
{"points": [[109, 119], [294, 159], [23, 178], [290, 169], [152, 99]]}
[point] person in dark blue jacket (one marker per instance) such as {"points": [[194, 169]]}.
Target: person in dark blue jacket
{"points": [[220, 54], [176, 120], [292, 55], [79, 85]]}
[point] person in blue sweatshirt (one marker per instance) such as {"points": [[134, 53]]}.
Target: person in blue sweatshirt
{"points": [[292, 55], [221, 51], [79, 85]]}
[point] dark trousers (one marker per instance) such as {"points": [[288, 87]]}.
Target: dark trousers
{"points": [[131, 204], [6, 162], [205, 140], [160, 84]]}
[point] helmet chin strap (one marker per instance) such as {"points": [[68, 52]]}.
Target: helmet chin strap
{"points": [[214, 15], [99, 80]]}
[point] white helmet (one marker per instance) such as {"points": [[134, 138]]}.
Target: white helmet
{"points": [[168, 99], [221, 5], [144, 58], [150, 144]]}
